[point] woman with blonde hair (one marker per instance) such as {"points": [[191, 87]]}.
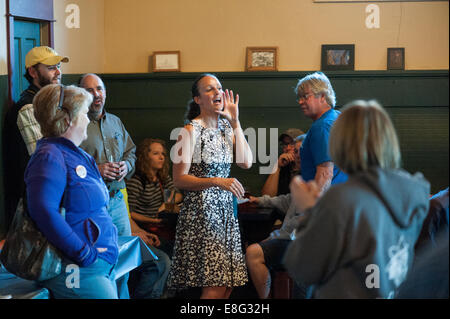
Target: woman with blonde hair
{"points": [[357, 240], [60, 173]]}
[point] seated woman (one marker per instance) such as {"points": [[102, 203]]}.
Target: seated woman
{"points": [[61, 173], [357, 239], [148, 189]]}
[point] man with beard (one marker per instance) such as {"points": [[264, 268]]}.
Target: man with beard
{"points": [[112, 148], [42, 65]]}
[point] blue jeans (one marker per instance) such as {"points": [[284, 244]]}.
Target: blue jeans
{"points": [[152, 276], [92, 282], [117, 209]]}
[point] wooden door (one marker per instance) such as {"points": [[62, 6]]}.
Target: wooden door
{"points": [[26, 37]]}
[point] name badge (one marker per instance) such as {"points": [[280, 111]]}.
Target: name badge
{"points": [[81, 171]]}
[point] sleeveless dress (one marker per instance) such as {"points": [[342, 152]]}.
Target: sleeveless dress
{"points": [[208, 251]]}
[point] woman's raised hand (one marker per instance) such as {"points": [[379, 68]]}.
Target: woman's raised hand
{"points": [[230, 107]]}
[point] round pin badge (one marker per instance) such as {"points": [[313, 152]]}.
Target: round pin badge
{"points": [[81, 171]]}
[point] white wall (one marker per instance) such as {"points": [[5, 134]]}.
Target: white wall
{"points": [[84, 45]]}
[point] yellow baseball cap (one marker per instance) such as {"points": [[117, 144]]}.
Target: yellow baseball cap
{"points": [[44, 55]]}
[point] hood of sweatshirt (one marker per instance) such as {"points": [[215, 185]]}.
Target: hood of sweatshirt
{"points": [[403, 194]]}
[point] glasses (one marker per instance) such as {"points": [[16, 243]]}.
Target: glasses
{"points": [[283, 144], [304, 96], [61, 101], [61, 97]]}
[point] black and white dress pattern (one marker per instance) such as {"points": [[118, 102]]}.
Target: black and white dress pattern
{"points": [[208, 251]]}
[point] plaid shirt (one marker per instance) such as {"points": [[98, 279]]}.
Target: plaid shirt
{"points": [[29, 127]]}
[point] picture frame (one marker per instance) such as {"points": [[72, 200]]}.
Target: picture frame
{"points": [[336, 57], [166, 61], [396, 58], [261, 59]]}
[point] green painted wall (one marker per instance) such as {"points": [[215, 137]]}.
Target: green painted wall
{"points": [[151, 105]]}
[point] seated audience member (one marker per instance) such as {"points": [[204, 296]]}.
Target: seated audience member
{"points": [[357, 239], [266, 256], [436, 221], [148, 188], [59, 169], [287, 166]]}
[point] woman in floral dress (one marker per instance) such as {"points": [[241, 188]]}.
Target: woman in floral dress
{"points": [[208, 251]]}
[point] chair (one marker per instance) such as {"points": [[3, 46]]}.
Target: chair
{"points": [[282, 285]]}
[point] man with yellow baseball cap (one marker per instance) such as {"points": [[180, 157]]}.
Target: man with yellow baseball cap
{"points": [[42, 66]]}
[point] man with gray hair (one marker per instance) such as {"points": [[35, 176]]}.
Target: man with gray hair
{"points": [[317, 99]]}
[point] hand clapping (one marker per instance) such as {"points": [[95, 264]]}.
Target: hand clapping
{"points": [[304, 194]]}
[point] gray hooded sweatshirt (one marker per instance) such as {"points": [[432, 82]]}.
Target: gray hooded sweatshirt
{"points": [[358, 240]]}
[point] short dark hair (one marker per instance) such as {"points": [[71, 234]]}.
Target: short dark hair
{"points": [[27, 74]]}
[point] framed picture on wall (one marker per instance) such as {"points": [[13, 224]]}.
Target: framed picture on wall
{"points": [[338, 57], [166, 61], [396, 58], [261, 59]]}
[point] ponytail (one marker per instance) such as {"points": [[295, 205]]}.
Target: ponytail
{"points": [[193, 109]]}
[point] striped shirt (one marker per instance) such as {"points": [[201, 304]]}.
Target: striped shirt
{"points": [[145, 197]]}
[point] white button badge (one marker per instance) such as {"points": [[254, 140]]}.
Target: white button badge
{"points": [[81, 171]]}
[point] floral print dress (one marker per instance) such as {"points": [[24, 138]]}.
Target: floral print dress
{"points": [[208, 251]]}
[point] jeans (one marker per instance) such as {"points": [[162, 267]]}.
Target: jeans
{"points": [[152, 276], [117, 209], [92, 282]]}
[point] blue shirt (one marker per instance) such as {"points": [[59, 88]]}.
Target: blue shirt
{"points": [[58, 168], [314, 149]]}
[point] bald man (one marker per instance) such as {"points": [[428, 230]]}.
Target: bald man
{"points": [[112, 148]]}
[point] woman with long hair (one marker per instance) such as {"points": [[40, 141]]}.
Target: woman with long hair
{"points": [[151, 188]]}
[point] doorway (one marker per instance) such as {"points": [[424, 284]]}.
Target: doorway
{"points": [[26, 37]]}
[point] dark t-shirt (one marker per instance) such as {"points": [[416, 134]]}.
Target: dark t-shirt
{"points": [[15, 154]]}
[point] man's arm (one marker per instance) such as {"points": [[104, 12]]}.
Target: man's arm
{"points": [[324, 175], [128, 160], [271, 185]]}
